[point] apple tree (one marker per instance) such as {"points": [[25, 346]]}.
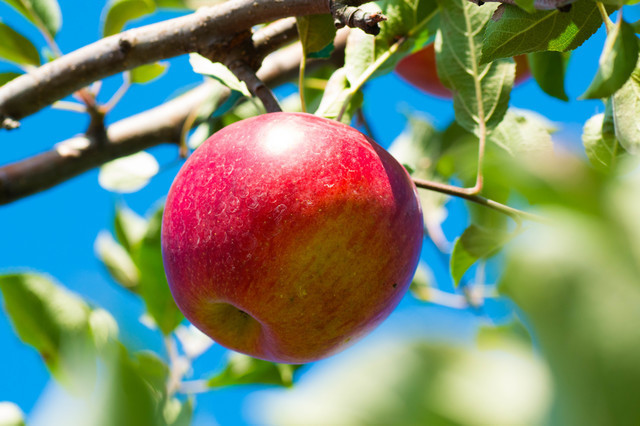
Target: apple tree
{"points": [[528, 231]]}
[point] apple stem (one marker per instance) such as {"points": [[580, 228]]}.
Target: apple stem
{"points": [[245, 73]]}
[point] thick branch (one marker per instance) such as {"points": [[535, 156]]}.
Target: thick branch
{"points": [[162, 124], [53, 81]]}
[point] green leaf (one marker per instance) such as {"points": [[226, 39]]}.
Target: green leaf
{"points": [[44, 14], [617, 62], [527, 5], [119, 12], [177, 413], [548, 69], [52, 320], [117, 261], [243, 370], [129, 227], [359, 55], [147, 73], [480, 92], [154, 288], [104, 329], [316, 32], [17, 48], [516, 31], [11, 414], [202, 65], [475, 243], [6, 77], [128, 174], [335, 95], [626, 104], [152, 369], [522, 135], [602, 148]]}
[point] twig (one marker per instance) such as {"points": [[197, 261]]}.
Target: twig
{"points": [[162, 124], [55, 80], [348, 14], [515, 214]]}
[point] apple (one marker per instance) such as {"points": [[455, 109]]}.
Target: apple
{"points": [[289, 236], [419, 70]]}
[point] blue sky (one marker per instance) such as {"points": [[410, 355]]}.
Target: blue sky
{"points": [[54, 232]]}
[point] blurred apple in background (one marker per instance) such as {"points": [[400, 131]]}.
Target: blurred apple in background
{"points": [[419, 70], [288, 236]]}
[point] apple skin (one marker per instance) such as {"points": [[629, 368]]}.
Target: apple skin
{"points": [[289, 236], [419, 70]]}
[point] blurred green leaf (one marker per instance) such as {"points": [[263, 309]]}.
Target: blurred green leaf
{"points": [[128, 174], [626, 104], [243, 370], [576, 279], [178, 413], [603, 150], [154, 288], [316, 32], [516, 31], [475, 243], [104, 329], [17, 48], [491, 337], [117, 261], [414, 383], [548, 68], [459, 44], [129, 227], [335, 95], [52, 320], [147, 73], [44, 14], [6, 77], [11, 414], [152, 369], [119, 12], [617, 62]]}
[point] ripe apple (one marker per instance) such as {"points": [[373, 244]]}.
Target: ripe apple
{"points": [[419, 70], [288, 236]]}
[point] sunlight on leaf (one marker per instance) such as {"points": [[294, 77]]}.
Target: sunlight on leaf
{"points": [[128, 174]]}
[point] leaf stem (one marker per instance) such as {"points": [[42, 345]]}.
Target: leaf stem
{"points": [[608, 23], [515, 214], [303, 67]]}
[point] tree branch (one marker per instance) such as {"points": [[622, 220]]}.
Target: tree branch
{"points": [[162, 124], [31, 92]]}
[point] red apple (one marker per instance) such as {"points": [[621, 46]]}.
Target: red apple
{"points": [[288, 236], [419, 70]]}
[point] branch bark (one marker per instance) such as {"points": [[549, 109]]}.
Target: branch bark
{"points": [[162, 124], [31, 92]]}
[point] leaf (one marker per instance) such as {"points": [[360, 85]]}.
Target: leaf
{"points": [[522, 135], [243, 370], [104, 329], [119, 12], [11, 414], [517, 32], [335, 95], [527, 5], [128, 174], [129, 227], [152, 369], [480, 92], [154, 288], [17, 48], [626, 104], [52, 320], [474, 243], [117, 261], [617, 62], [6, 77], [603, 150], [178, 413], [359, 55], [43, 13], [548, 69], [316, 32], [202, 65], [147, 73]]}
